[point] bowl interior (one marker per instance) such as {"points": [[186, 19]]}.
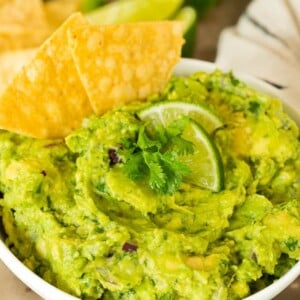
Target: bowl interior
{"points": [[185, 67]]}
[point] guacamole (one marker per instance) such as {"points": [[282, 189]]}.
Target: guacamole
{"points": [[73, 216]]}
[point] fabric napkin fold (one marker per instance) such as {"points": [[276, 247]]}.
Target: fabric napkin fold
{"points": [[265, 43]]}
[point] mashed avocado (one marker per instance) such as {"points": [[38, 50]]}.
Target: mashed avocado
{"points": [[75, 219]]}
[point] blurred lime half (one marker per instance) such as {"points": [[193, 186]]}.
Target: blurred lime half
{"points": [[89, 5], [133, 11], [188, 16]]}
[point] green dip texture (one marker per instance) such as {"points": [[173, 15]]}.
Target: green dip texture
{"points": [[74, 218]]}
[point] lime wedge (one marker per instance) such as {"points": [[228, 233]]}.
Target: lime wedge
{"points": [[166, 112], [188, 16], [205, 163], [134, 10], [89, 5]]}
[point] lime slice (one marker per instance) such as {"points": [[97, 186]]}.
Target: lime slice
{"points": [[205, 163], [134, 10], [166, 112], [89, 5], [188, 16]]}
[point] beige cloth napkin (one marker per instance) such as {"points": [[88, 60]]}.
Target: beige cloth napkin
{"points": [[265, 43]]}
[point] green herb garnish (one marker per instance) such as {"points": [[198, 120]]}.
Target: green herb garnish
{"points": [[154, 158]]}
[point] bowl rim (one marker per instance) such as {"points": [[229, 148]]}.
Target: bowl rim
{"points": [[185, 67]]}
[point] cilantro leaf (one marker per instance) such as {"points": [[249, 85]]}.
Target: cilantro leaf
{"points": [[157, 177], [145, 143], [135, 167], [174, 170], [171, 139], [155, 158]]}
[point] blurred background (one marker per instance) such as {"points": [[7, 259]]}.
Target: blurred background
{"points": [[26, 25], [212, 20]]}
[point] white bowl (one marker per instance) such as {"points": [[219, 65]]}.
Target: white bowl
{"points": [[185, 67]]}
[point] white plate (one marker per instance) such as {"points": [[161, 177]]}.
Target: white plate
{"points": [[185, 67]]}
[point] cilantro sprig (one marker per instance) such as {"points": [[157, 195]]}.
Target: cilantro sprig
{"points": [[155, 158]]}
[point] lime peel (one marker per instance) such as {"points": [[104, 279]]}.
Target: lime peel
{"points": [[168, 111], [205, 163], [133, 11]]}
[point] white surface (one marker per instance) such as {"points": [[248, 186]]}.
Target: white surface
{"points": [[15, 290]]}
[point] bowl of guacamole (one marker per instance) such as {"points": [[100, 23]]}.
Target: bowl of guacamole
{"points": [[83, 217]]}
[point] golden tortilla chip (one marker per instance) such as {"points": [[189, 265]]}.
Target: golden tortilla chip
{"points": [[22, 24], [11, 63], [46, 98], [21, 38], [125, 62], [23, 13]]}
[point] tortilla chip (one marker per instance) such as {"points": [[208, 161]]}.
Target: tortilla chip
{"points": [[21, 38], [23, 24], [11, 63], [23, 13], [46, 98], [125, 62]]}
